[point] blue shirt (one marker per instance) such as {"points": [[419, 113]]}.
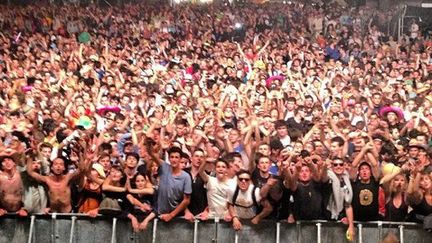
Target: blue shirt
{"points": [[172, 188]]}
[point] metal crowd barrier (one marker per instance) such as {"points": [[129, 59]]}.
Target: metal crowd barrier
{"points": [[76, 228]]}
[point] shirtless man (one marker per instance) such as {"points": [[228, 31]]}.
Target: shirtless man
{"points": [[58, 184], [11, 188]]}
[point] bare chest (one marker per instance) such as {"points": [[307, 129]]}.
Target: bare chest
{"points": [[10, 184]]}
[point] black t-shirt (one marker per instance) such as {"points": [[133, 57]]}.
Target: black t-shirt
{"points": [[257, 179], [397, 214], [198, 201], [302, 126], [365, 200], [308, 201], [275, 193]]}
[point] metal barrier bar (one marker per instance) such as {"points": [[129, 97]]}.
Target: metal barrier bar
{"points": [[379, 231], [195, 236], [54, 228], [278, 232], [155, 221], [216, 224], [298, 231], [236, 237], [32, 222], [72, 230], [114, 228], [384, 223], [401, 233], [360, 233]]}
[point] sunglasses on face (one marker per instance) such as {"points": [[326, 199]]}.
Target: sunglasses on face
{"points": [[244, 179], [338, 164]]}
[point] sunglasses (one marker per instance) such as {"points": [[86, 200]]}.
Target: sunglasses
{"points": [[338, 164], [244, 179]]}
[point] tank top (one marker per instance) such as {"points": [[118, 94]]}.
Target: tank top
{"points": [[396, 214], [423, 208], [90, 199]]}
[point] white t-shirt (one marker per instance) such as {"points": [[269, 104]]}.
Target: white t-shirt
{"points": [[285, 141], [244, 205], [217, 195]]}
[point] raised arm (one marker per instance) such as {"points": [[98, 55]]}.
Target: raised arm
{"points": [[375, 166], [202, 173], [34, 174], [414, 196], [107, 187]]}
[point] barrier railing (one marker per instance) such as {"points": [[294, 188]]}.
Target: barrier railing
{"points": [[76, 228]]}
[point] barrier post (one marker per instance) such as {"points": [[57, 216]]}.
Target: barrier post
{"points": [[114, 228], [155, 221], [32, 222], [298, 230], [379, 231], [360, 233], [195, 236], [401, 233], [54, 228], [318, 232], [278, 232], [215, 238], [72, 230]]}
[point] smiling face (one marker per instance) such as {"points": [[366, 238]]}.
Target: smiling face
{"points": [[221, 169], [243, 181], [140, 182], [8, 164], [338, 167]]}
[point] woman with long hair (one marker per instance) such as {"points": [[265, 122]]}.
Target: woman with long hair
{"points": [[91, 192], [140, 196], [396, 205], [114, 193], [420, 194]]}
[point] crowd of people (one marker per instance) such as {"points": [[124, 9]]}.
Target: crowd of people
{"points": [[296, 111]]}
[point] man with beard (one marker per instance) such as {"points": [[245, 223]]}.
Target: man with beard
{"points": [[58, 183], [11, 188]]}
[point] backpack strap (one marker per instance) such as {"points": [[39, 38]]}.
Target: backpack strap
{"points": [[236, 192], [255, 203]]}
